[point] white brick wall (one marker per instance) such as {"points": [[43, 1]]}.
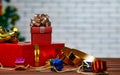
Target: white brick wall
{"points": [[92, 26]]}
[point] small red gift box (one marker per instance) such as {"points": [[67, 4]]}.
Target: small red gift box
{"points": [[41, 35], [10, 52], [99, 66]]}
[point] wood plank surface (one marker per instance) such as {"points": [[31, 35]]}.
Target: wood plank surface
{"points": [[113, 68]]}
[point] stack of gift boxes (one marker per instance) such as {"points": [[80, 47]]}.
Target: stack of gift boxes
{"points": [[36, 52], [41, 49]]}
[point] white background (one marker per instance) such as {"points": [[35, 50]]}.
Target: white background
{"points": [[92, 26]]}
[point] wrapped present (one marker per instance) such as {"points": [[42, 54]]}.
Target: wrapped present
{"points": [[56, 65], [95, 66], [41, 29], [41, 35], [10, 52], [99, 66], [75, 57], [87, 66]]}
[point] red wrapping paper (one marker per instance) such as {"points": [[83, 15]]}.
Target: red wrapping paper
{"points": [[9, 53], [41, 35], [99, 66]]}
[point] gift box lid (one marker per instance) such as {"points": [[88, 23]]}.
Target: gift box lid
{"points": [[41, 29]]}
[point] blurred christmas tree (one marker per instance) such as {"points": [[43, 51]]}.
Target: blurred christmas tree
{"points": [[9, 17]]}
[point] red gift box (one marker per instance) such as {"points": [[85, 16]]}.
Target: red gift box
{"points": [[99, 66], [10, 52], [41, 35]]}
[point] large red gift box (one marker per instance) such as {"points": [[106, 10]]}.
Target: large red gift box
{"points": [[10, 52], [41, 35]]}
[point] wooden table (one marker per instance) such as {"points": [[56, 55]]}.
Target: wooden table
{"points": [[113, 68]]}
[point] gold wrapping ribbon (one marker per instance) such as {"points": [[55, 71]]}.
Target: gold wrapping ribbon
{"points": [[75, 56], [6, 36], [66, 51], [40, 20], [36, 54]]}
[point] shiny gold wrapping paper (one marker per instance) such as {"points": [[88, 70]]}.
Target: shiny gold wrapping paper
{"points": [[78, 56]]}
